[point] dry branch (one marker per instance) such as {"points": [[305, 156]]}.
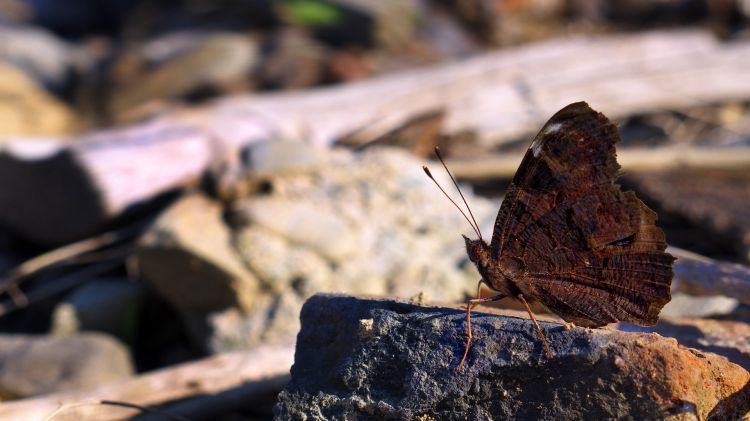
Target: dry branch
{"points": [[249, 374], [633, 159], [498, 96]]}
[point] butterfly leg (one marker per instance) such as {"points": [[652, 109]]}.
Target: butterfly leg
{"points": [[538, 329], [469, 305]]}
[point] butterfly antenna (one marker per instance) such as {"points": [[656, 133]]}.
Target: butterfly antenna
{"points": [[440, 157], [429, 174]]}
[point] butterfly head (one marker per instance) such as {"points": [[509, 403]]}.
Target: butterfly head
{"points": [[496, 274], [478, 251]]}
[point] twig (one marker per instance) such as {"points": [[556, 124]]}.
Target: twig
{"points": [[196, 388], [67, 253], [62, 407], [635, 159], [144, 409], [57, 286]]}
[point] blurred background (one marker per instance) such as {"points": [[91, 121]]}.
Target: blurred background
{"points": [[178, 176]]}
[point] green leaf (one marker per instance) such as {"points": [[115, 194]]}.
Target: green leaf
{"points": [[312, 12]]}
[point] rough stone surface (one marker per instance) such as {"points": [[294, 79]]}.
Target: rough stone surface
{"points": [[314, 225], [34, 365], [373, 220], [188, 257], [377, 359], [728, 338], [370, 223]]}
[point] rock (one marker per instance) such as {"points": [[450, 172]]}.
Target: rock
{"points": [[504, 23], [314, 225], [104, 305], [43, 56], [369, 223], [188, 258], [447, 38], [35, 365], [727, 338], [698, 275], [279, 156], [221, 62], [382, 359], [683, 305], [375, 220], [294, 61], [395, 21], [28, 110], [269, 323], [281, 266]]}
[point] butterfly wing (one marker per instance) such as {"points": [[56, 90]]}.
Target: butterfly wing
{"points": [[590, 252]]}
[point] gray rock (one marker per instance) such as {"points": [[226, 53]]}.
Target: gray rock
{"points": [[34, 365], [281, 266], [278, 156], [41, 54], [684, 305], [222, 61], [188, 257], [103, 305], [269, 322], [376, 222], [382, 359], [314, 225], [294, 61]]}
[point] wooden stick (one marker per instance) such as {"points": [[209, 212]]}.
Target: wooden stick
{"points": [[57, 285], [63, 254], [631, 159], [251, 373]]}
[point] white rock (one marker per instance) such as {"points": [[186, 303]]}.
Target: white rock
{"points": [[308, 223], [683, 305]]}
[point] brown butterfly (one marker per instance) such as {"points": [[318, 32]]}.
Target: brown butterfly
{"points": [[567, 236]]}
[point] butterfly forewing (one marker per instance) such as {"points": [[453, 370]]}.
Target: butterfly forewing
{"points": [[590, 252]]}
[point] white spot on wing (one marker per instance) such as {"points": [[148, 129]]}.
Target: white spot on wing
{"points": [[552, 128], [536, 146]]}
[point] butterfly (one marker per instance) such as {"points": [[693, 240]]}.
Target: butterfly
{"points": [[568, 237]]}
